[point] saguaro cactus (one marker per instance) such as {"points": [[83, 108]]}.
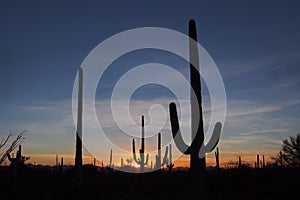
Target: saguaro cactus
{"points": [[170, 161], [217, 159], [78, 154], [56, 162], [141, 161], [197, 149], [122, 163], [61, 167], [281, 158], [16, 164], [110, 159], [19, 160], [240, 162], [158, 163], [257, 161]]}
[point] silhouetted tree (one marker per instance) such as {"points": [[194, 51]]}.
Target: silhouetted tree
{"points": [[291, 151], [15, 143]]}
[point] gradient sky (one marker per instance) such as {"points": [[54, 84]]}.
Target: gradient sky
{"points": [[255, 44]]}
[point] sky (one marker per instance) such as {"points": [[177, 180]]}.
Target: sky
{"points": [[254, 44]]}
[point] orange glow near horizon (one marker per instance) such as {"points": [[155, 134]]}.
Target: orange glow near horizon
{"points": [[183, 161]]}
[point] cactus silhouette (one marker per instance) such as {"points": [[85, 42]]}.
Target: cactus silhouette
{"points": [[78, 154], [158, 163], [56, 161], [19, 160], [61, 166], [197, 149], [110, 159], [170, 161], [16, 164], [281, 158], [141, 161], [122, 162], [217, 159], [240, 162], [257, 161]]}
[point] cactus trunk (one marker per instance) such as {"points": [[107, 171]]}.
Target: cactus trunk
{"points": [[240, 162], [141, 161], [110, 158], [196, 164], [78, 155], [197, 160], [170, 165]]}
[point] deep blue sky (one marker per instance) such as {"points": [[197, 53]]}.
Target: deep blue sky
{"points": [[255, 44]]}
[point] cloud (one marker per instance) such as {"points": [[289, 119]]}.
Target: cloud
{"points": [[240, 107]]}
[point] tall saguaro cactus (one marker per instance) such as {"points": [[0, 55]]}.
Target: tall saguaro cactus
{"points": [[141, 161], [78, 155], [158, 163], [197, 147]]}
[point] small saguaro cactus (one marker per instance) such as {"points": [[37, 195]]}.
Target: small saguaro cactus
{"points": [[110, 159], [281, 158], [56, 162], [61, 166], [170, 161], [122, 164], [110, 166], [263, 162], [16, 164], [197, 150], [257, 161], [19, 160], [141, 161], [240, 162], [217, 159], [158, 163]]}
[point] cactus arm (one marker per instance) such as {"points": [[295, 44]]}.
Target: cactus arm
{"points": [[9, 158], [213, 141], [177, 136], [134, 154], [147, 158], [165, 159]]}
